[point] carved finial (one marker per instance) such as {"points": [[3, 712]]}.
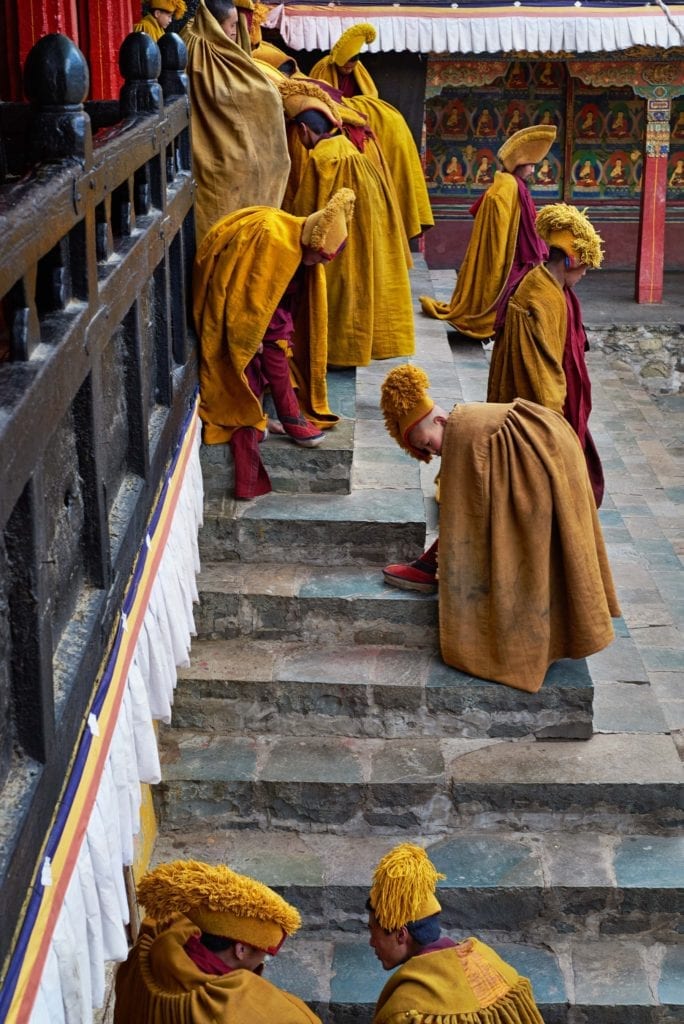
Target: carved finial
{"points": [[56, 80], [140, 65], [174, 58]]}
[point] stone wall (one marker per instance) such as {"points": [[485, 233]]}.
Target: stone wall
{"points": [[655, 353]]}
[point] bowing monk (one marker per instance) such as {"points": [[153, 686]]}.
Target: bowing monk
{"points": [[370, 312], [524, 578], [504, 243]]}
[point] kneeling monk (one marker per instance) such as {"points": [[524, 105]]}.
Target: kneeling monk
{"points": [[523, 574]]}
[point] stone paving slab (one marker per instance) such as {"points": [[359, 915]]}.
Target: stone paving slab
{"points": [[245, 685]]}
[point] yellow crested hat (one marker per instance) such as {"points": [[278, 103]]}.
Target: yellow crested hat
{"points": [[219, 901], [244, 5], [326, 230], [175, 7], [302, 94], [350, 42], [527, 146], [403, 888], [569, 229], [259, 15], [267, 53], [404, 402]]}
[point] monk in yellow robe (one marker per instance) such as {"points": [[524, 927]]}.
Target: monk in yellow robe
{"points": [[370, 313], [539, 354], [159, 17], [260, 310], [504, 244], [343, 69], [523, 574], [436, 978], [200, 954], [239, 147]]}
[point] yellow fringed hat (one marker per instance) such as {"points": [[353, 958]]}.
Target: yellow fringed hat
{"points": [[219, 901], [351, 41], [404, 402], [403, 888], [267, 53], [569, 229], [302, 94], [527, 146], [175, 7], [326, 230]]}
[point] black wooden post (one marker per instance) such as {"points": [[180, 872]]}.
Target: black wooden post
{"points": [[174, 60], [140, 65], [56, 81]]}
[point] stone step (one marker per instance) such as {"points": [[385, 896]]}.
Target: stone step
{"points": [[336, 605], [367, 526], [602, 981], [415, 784], [312, 689], [291, 468], [521, 886]]}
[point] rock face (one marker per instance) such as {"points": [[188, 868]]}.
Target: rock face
{"points": [[655, 354], [317, 726]]}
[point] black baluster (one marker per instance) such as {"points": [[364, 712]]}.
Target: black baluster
{"points": [[56, 81], [140, 65]]}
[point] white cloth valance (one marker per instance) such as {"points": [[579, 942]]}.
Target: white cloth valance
{"points": [[482, 31]]}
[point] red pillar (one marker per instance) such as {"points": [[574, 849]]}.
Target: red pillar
{"points": [[103, 29], [651, 246]]}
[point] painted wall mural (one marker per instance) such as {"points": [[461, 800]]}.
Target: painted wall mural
{"points": [[675, 164], [607, 141]]}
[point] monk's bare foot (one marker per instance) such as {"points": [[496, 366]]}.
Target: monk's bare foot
{"points": [[275, 426]]}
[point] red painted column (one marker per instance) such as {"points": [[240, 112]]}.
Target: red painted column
{"points": [[103, 29], [651, 245]]}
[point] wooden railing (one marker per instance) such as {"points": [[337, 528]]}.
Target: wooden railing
{"points": [[97, 371]]}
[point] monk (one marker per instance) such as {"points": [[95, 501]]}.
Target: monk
{"points": [[504, 244], [200, 953], [370, 313], [435, 979], [239, 147], [159, 17], [540, 352], [524, 578], [343, 69], [261, 317]]}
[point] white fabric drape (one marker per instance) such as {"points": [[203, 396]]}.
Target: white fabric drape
{"points": [[448, 31], [91, 925]]}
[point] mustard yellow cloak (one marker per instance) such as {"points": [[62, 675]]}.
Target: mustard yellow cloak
{"points": [[241, 271], [527, 360], [463, 984], [487, 262], [150, 25], [396, 142], [239, 147], [160, 984], [370, 314], [523, 573]]}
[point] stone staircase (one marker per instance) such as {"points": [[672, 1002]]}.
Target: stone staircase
{"points": [[317, 726]]}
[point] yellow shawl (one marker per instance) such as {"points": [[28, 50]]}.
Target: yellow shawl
{"points": [[464, 984], [396, 142], [150, 25], [160, 984], [486, 264], [239, 147], [370, 313], [523, 573], [242, 269], [527, 361]]}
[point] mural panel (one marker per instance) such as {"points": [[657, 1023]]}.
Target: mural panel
{"points": [[675, 164], [607, 138], [465, 126]]}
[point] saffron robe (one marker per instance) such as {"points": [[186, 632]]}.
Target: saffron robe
{"points": [[160, 984], [370, 313], [465, 982], [241, 272], [396, 142], [539, 355], [239, 148], [523, 573], [502, 248], [150, 25]]}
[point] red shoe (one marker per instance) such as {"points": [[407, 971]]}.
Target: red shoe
{"points": [[417, 575], [301, 431]]}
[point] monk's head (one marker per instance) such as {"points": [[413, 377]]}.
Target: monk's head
{"points": [[226, 14], [574, 244], [411, 417], [325, 231], [164, 11]]}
